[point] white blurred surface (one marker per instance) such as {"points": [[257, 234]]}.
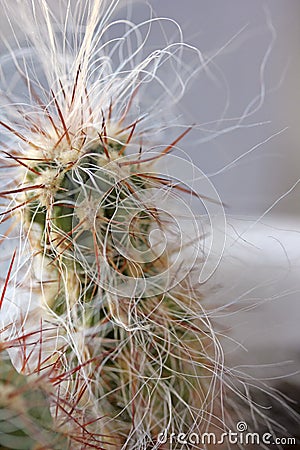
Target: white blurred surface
{"points": [[259, 279]]}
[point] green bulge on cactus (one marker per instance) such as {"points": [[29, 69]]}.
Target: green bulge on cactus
{"points": [[25, 419]]}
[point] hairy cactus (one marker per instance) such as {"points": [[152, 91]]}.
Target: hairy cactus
{"points": [[25, 419], [100, 290], [102, 312]]}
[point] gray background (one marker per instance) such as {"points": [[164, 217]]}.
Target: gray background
{"points": [[264, 175], [263, 267]]}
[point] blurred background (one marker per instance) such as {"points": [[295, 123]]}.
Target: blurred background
{"points": [[258, 68], [254, 28], [258, 71]]}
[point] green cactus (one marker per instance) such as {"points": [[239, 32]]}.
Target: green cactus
{"points": [[102, 312], [143, 353], [25, 419], [120, 338]]}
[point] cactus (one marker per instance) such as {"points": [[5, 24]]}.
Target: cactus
{"points": [[110, 316], [25, 419], [102, 313], [135, 348]]}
